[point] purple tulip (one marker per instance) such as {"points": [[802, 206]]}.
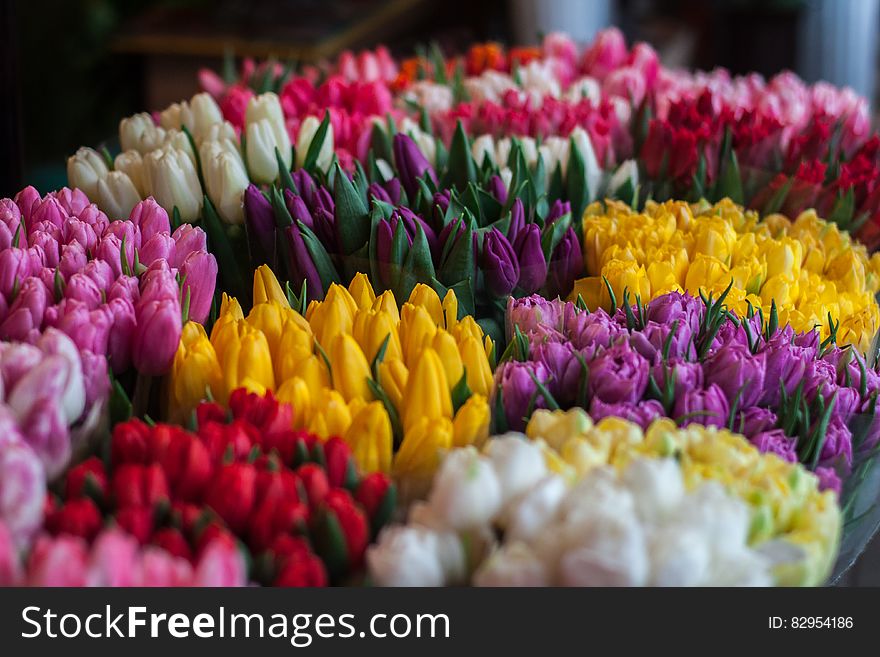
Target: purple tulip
{"points": [[500, 264], [837, 450], [298, 209], [199, 272], [563, 366], [557, 210], [159, 247], [384, 241], [188, 239], [441, 203], [301, 265], [686, 375], [156, 336], [653, 338], [15, 266], [566, 264], [84, 289], [529, 312], [753, 421], [6, 237], [57, 377], [672, 306], [498, 189], [150, 219], [519, 390], [619, 374], [643, 413], [589, 331], [776, 442], [49, 209], [517, 221], [73, 201], [76, 230], [27, 201], [323, 202], [305, 186], [846, 403], [95, 218], [530, 255], [738, 372], [411, 164], [119, 342], [828, 479], [786, 367], [850, 374], [375, 190], [706, 406], [260, 221], [819, 376]]}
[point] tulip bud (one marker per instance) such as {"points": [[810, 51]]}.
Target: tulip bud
{"points": [[232, 494], [307, 130], [417, 330], [533, 266], [333, 316], [15, 266], [427, 391], [205, 114], [331, 415], [427, 298], [362, 291], [140, 133], [225, 181], [371, 329], [116, 194], [341, 533], [150, 218], [26, 313], [411, 164], [476, 364], [378, 497], [199, 273], [419, 455], [132, 164], [393, 377], [267, 288], [349, 367], [260, 220], [84, 169], [48, 210], [447, 349], [172, 180], [188, 239], [370, 438], [471, 423], [266, 132], [500, 264], [156, 337], [195, 370]]}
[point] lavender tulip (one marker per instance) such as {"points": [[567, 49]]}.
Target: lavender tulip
{"points": [[776, 442], [706, 406], [837, 450], [619, 374], [753, 421], [738, 372], [519, 391], [260, 223], [302, 266], [642, 413]]}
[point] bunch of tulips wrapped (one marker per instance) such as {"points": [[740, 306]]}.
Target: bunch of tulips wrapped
{"points": [[484, 343]]}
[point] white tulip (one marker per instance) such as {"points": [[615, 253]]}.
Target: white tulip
{"points": [[534, 509], [518, 462], [140, 133], [529, 151], [385, 169], [132, 164], [73, 400], [117, 195], [260, 152], [502, 151], [506, 177], [555, 151], [223, 130], [178, 140], [627, 171], [174, 116], [581, 141], [466, 492], [307, 130], [483, 147], [204, 115], [585, 88], [225, 179], [411, 556], [84, 169], [512, 565], [172, 180], [430, 95]]}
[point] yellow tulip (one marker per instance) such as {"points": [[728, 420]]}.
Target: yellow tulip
{"points": [[387, 303], [417, 330], [370, 438], [330, 414], [706, 273], [425, 297], [427, 391], [267, 288], [361, 291], [230, 312], [195, 371], [295, 391], [294, 347], [476, 364], [393, 377], [591, 289], [333, 316], [244, 355], [450, 309], [371, 328], [270, 317], [446, 348], [471, 423], [629, 276], [420, 452], [467, 326], [349, 368], [715, 237]]}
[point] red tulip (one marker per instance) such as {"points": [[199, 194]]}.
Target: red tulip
{"points": [[86, 478]]}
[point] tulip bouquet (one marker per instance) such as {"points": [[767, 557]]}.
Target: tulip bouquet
{"points": [[396, 386], [808, 268], [185, 500], [551, 512]]}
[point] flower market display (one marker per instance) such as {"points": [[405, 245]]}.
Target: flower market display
{"points": [[553, 315]]}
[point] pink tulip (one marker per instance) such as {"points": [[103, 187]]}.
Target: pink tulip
{"points": [[607, 52], [79, 231], [121, 334], [45, 430], [96, 377], [49, 209], [10, 565], [110, 251], [15, 266], [221, 564], [57, 343], [22, 491], [16, 360], [150, 218], [113, 560], [156, 336], [101, 273], [59, 561], [199, 273], [159, 283], [126, 230], [159, 568], [95, 218], [88, 329], [73, 259], [27, 311], [159, 247], [27, 201], [212, 83], [84, 289], [73, 201], [10, 214], [125, 287], [6, 236], [188, 239]]}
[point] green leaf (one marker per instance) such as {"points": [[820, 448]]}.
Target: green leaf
{"points": [[352, 225], [459, 263], [460, 393], [418, 267], [380, 143], [222, 248], [309, 164], [576, 186], [461, 168], [326, 271], [552, 235], [730, 183], [284, 173]]}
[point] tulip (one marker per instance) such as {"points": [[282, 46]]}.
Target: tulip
{"points": [[156, 336], [272, 319], [159, 247], [331, 416], [245, 360], [26, 313], [172, 180], [188, 239], [530, 255], [140, 133], [371, 329], [342, 533], [708, 407], [427, 391], [15, 266], [85, 169], [411, 164], [476, 365], [48, 435], [199, 275], [150, 219], [195, 369], [260, 223], [332, 316], [420, 453], [393, 376], [225, 181], [22, 492], [131, 163], [500, 265], [262, 142], [417, 330], [370, 438], [295, 391], [302, 266], [471, 423], [267, 288], [349, 367], [307, 130], [48, 210], [361, 291]]}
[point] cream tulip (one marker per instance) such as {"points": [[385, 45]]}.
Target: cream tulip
{"points": [[172, 180], [140, 133], [225, 179], [116, 195], [307, 131], [84, 169], [132, 164]]}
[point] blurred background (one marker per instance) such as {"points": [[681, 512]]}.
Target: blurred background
{"points": [[70, 70]]}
